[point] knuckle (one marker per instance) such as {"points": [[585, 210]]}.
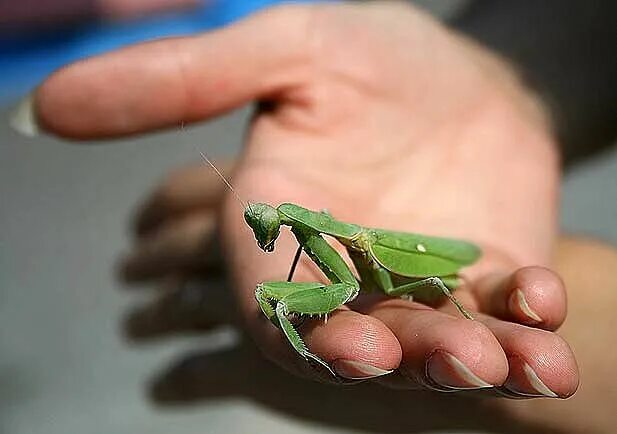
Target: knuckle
{"points": [[171, 182]]}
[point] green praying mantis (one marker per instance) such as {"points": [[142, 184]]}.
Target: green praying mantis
{"points": [[397, 264]]}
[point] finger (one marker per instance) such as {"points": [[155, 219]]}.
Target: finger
{"points": [[356, 346], [162, 83], [541, 364], [533, 296], [182, 192], [441, 351], [211, 374], [184, 307], [199, 377], [180, 247]]}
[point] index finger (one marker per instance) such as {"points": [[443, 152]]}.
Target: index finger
{"points": [[162, 83]]}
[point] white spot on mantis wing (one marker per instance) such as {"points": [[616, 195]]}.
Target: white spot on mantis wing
{"points": [[421, 248]]}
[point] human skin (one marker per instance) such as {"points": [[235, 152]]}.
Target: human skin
{"points": [[387, 119]]}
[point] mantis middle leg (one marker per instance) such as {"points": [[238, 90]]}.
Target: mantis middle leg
{"points": [[430, 281], [375, 276]]}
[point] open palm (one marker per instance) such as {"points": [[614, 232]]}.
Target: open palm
{"points": [[386, 119]]}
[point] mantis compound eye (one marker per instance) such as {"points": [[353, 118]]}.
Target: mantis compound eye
{"points": [[265, 222]]}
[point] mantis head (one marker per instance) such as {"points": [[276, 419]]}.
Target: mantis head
{"points": [[261, 217], [265, 222]]}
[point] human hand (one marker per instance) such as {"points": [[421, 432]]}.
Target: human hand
{"points": [[386, 119]]}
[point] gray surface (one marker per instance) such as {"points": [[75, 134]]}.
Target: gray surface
{"points": [[63, 214], [590, 197]]}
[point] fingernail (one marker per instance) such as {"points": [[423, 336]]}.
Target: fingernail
{"points": [[23, 118], [518, 304], [527, 384], [449, 372], [353, 370]]}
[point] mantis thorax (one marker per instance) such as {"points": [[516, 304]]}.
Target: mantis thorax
{"points": [[362, 241]]}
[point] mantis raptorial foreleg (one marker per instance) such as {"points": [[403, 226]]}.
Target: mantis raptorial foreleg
{"points": [[280, 299]]}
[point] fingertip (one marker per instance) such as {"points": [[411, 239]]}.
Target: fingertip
{"points": [[541, 363], [355, 346], [536, 297], [350, 339], [124, 92], [536, 375], [161, 83], [59, 99], [476, 348]]}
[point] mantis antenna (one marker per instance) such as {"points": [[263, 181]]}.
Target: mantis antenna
{"points": [[227, 183], [209, 162]]}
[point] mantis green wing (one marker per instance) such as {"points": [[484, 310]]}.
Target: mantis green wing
{"points": [[414, 255]]}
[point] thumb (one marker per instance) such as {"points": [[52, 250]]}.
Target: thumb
{"points": [[161, 83]]}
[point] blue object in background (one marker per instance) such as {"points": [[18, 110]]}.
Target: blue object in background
{"points": [[25, 60]]}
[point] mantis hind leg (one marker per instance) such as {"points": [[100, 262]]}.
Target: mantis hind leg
{"points": [[435, 282], [280, 299]]}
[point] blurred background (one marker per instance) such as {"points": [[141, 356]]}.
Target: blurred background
{"points": [[65, 366]]}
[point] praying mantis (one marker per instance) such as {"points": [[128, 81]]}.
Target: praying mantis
{"points": [[381, 258], [397, 264]]}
